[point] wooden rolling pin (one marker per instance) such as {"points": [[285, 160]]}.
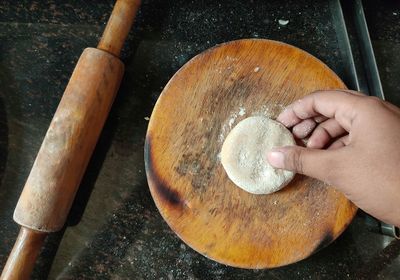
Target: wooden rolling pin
{"points": [[69, 142]]}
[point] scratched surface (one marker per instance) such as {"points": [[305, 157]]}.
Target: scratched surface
{"points": [[120, 234], [186, 178]]}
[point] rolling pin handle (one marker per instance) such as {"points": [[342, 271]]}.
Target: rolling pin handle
{"points": [[118, 26], [76, 108], [22, 259]]}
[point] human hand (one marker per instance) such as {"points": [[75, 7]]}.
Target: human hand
{"points": [[354, 146]]}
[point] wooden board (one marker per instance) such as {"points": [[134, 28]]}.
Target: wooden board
{"points": [[195, 112]]}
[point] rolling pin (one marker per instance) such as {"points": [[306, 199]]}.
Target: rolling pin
{"points": [[69, 142]]}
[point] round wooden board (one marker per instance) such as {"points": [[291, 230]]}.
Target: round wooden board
{"points": [[196, 110]]}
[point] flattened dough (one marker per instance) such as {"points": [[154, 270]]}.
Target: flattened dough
{"points": [[244, 151]]}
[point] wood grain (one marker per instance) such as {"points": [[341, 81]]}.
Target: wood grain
{"points": [[118, 26], [195, 112], [69, 142], [23, 255]]}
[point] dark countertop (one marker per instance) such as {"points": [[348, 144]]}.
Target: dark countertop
{"points": [[120, 234]]}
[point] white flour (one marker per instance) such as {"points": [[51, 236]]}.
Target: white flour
{"points": [[269, 111], [243, 155]]}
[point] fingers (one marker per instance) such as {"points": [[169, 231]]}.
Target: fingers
{"points": [[330, 104], [324, 133], [340, 143], [321, 135], [304, 128], [288, 117], [392, 107], [320, 164], [352, 92], [320, 119]]}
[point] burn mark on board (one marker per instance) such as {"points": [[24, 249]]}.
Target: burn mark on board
{"points": [[328, 238], [165, 192]]}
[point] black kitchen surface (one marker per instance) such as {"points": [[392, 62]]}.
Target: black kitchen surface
{"points": [[114, 230]]}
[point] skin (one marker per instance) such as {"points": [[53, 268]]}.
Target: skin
{"points": [[354, 145]]}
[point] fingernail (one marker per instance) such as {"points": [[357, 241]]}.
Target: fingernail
{"points": [[276, 159], [311, 143]]}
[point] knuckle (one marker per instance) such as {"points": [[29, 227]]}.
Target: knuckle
{"points": [[296, 161], [373, 102], [368, 105], [332, 170]]}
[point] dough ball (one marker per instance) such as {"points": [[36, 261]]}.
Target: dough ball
{"points": [[244, 155]]}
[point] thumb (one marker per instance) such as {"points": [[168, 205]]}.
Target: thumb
{"points": [[320, 164]]}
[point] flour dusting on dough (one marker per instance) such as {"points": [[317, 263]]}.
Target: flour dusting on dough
{"points": [[243, 155], [227, 126], [271, 110]]}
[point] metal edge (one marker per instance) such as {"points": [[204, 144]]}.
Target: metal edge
{"points": [[344, 43], [367, 52]]}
